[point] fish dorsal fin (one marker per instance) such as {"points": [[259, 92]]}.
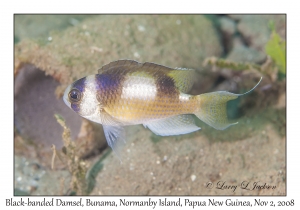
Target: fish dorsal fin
{"points": [[183, 78], [156, 67], [117, 64]]}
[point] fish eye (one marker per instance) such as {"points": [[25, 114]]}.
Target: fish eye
{"points": [[75, 95]]}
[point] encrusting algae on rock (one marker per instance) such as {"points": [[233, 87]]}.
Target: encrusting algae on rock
{"points": [[126, 92]]}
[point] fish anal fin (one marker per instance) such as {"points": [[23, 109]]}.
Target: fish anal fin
{"points": [[181, 124]]}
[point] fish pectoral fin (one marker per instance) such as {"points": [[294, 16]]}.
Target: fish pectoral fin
{"points": [[115, 137], [107, 119], [181, 124]]}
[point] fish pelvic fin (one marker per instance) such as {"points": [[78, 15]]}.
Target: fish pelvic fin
{"points": [[212, 108], [115, 137]]}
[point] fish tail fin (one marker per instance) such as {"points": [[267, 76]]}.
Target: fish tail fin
{"points": [[212, 108]]}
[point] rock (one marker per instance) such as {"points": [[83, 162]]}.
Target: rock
{"points": [[256, 31], [239, 53], [91, 140], [171, 40], [227, 26], [242, 53], [236, 17], [39, 26], [139, 173], [281, 101], [33, 179], [228, 29], [35, 106], [161, 165]]}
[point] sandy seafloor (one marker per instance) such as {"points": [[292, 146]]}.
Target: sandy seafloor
{"points": [[245, 159]]}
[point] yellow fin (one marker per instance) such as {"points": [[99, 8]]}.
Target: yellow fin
{"points": [[183, 78], [212, 107]]}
